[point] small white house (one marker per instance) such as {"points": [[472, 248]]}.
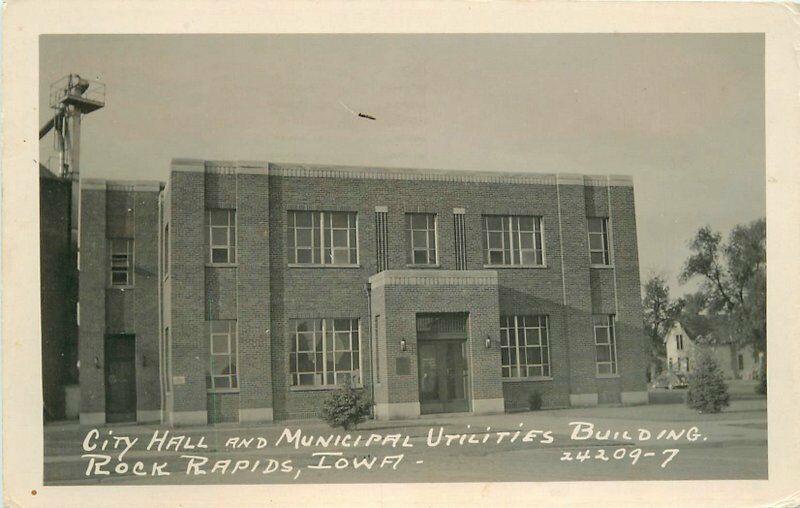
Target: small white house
{"points": [[736, 362]]}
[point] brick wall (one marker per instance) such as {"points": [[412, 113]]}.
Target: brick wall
{"points": [[267, 294]]}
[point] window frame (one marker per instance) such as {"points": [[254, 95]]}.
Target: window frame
{"points": [[232, 353], [516, 323], [512, 238], [231, 229], [611, 344], [604, 238], [679, 342], [321, 236], [411, 249], [129, 262], [321, 332]]}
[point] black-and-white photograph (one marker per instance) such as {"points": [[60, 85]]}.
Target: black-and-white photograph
{"points": [[380, 258]]}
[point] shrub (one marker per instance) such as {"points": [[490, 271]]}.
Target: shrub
{"points": [[708, 392], [535, 400], [345, 407]]}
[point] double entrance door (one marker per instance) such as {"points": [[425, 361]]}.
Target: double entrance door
{"points": [[441, 349]]}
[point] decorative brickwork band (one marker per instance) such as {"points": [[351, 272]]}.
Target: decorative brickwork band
{"points": [[438, 278]]}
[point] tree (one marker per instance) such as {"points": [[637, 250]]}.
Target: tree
{"points": [[734, 279], [660, 315], [707, 392]]}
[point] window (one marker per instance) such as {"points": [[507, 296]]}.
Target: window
{"points": [[524, 346], [121, 261], [224, 351], [166, 251], [221, 236], [421, 238], [740, 359], [322, 238], [605, 344], [598, 241], [324, 352], [513, 240], [679, 342]]}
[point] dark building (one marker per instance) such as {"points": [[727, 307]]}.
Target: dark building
{"points": [[246, 291]]}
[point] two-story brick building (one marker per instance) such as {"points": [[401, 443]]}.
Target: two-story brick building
{"points": [[435, 291]]}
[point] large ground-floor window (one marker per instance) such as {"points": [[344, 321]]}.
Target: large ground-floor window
{"points": [[524, 346], [324, 352]]}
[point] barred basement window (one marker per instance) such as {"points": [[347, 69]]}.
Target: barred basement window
{"points": [[221, 236], [524, 346], [460, 239], [598, 241], [322, 238], [421, 239], [224, 353], [605, 344], [381, 238], [324, 352], [120, 262], [513, 240]]}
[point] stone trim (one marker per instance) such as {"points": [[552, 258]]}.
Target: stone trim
{"points": [[382, 209], [376, 173], [582, 399], [121, 185], [221, 167], [148, 415], [635, 397], [92, 418], [396, 410], [179, 418], [258, 414], [488, 406], [434, 278]]}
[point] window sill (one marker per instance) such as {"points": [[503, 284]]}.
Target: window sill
{"points": [[416, 267], [316, 265], [526, 379], [121, 288], [602, 267], [505, 267], [607, 376], [222, 265], [319, 388], [222, 390]]}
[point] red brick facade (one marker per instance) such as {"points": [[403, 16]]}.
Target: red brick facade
{"points": [[265, 295]]}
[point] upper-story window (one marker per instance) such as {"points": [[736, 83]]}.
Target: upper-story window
{"points": [[120, 262], [421, 238], [323, 238], [598, 241], [679, 342], [513, 240], [221, 236]]}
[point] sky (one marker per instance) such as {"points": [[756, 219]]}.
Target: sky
{"points": [[683, 114]]}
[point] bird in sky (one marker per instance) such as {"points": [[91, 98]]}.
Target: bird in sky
{"points": [[360, 115]]}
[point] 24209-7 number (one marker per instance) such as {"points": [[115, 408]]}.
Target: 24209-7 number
{"points": [[619, 454]]}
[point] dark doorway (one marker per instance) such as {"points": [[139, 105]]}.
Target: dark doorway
{"points": [[120, 378], [441, 348]]}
